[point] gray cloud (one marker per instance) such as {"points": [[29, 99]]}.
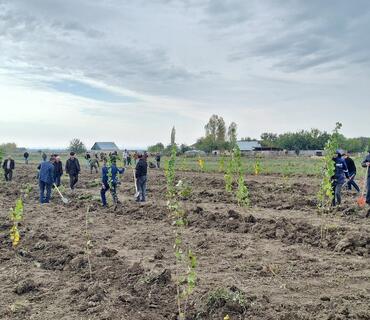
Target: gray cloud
{"points": [[227, 55], [299, 35], [49, 40]]}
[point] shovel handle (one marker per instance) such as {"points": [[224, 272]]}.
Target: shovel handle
{"points": [[133, 171], [55, 186], [365, 178]]}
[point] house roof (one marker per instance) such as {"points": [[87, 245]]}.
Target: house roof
{"points": [[248, 145], [104, 146]]}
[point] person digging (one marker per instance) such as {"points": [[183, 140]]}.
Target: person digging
{"points": [[339, 178], [110, 181], [46, 179], [352, 171]]}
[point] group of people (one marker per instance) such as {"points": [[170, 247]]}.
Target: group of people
{"points": [[345, 172], [50, 173], [126, 156]]}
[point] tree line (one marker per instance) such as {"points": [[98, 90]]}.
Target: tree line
{"points": [[313, 139], [219, 136]]}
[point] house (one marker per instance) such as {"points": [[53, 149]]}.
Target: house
{"points": [[248, 146], [311, 153], [104, 146]]}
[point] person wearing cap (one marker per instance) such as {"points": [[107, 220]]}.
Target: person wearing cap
{"points": [[352, 171], [58, 170], [46, 179], [110, 181], [141, 177], [366, 164], [339, 177], [73, 169], [8, 166]]}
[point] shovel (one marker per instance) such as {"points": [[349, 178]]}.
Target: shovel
{"points": [[137, 193], [361, 201], [65, 200]]}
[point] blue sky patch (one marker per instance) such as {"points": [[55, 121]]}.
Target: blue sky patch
{"points": [[81, 89]]}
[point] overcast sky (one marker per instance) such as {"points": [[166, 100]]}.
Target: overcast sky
{"points": [[128, 70]]}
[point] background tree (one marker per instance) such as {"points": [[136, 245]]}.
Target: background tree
{"points": [[215, 138], [268, 139], [220, 133], [211, 128], [207, 144], [158, 147], [232, 134], [77, 146], [173, 136], [9, 147], [184, 148]]}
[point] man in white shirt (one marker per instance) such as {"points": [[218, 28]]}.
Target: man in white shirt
{"points": [[125, 156]]}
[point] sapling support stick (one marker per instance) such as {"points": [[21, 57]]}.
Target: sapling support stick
{"points": [[88, 245]]}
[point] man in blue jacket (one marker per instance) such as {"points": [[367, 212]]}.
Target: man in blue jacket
{"points": [[366, 164], [109, 181], [339, 178], [46, 179]]}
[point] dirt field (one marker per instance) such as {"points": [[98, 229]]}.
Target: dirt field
{"points": [[276, 260]]}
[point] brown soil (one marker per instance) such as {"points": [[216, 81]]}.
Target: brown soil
{"points": [[276, 260]]}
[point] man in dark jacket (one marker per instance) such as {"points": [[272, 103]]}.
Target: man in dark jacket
{"points": [[352, 171], [339, 178], [141, 177], [158, 159], [366, 164], [109, 181], [25, 156], [46, 179], [58, 170], [73, 169], [8, 166]]}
